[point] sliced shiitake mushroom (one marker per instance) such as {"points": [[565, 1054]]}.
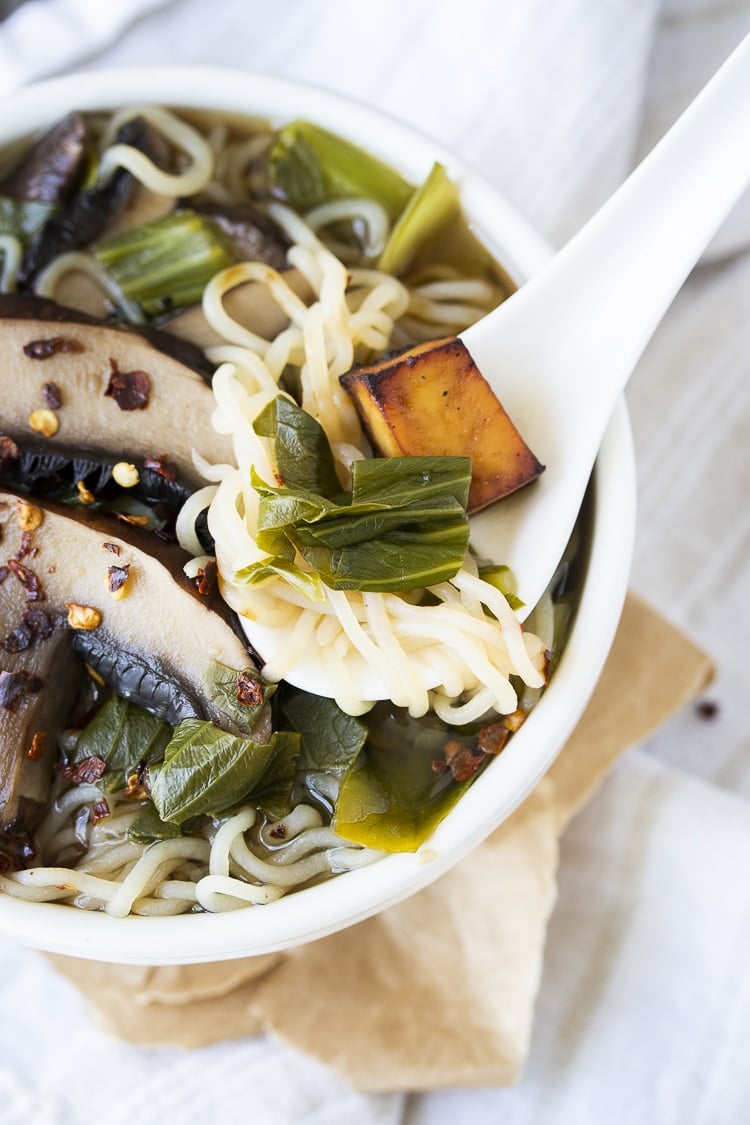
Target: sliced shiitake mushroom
{"points": [[250, 303], [117, 598], [39, 676], [57, 474], [89, 213], [50, 169], [120, 394], [254, 237]]}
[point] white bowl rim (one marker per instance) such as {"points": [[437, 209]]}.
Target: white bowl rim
{"points": [[350, 898]]}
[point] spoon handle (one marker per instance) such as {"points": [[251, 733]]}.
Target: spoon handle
{"points": [[608, 288], [569, 340]]}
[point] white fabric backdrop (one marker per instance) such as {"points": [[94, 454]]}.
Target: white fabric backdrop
{"points": [[644, 1012]]}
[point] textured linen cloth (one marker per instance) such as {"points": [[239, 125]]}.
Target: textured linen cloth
{"points": [[644, 1011]]}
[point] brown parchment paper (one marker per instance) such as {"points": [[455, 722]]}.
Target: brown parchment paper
{"points": [[438, 991]]}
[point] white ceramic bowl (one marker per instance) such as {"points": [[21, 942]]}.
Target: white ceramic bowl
{"points": [[353, 896]]}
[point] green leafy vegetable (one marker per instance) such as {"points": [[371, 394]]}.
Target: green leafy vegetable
{"points": [[122, 735], [309, 166], [22, 218], [398, 790], [503, 579], [164, 264], [207, 770], [433, 205], [403, 526], [331, 740], [148, 826], [302, 450]]}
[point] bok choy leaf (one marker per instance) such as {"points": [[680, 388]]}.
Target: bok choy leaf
{"points": [[403, 525], [309, 166], [122, 735], [207, 770], [165, 264]]}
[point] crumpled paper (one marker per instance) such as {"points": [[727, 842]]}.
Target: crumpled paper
{"points": [[438, 991]]}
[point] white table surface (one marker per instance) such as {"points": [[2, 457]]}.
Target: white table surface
{"points": [[644, 1010]]}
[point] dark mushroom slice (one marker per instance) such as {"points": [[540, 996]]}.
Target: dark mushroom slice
{"points": [[39, 677], [52, 168], [66, 476], [89, 213], [119, 395], [249, 303], [254, 236], [131, 614]]}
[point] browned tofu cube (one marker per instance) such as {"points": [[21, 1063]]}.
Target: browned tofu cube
{"points": [[434, 400]]}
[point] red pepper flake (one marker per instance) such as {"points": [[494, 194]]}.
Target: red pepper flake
{"points": [[492, 738], [99, 810], [38, 745], [9, 452], [88, 770], [34, 625], [278, 832], [52, 345], [161, 466], [464, 761], [29, 580], [117, 577], [113, 548], [129, 389], [461, 760], [249, 691], [206, 579], [52, 395], [14, 685], [25, 547]]}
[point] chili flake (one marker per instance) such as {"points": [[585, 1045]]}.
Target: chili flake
{"points": [[44, 422], [52, 396], [492, 738], [83, 617], [29, 515], [161, 466], [35, 624], [462, 761], [117, 580], [99, 810], [129, 389], [52, 345], [137, 788], [85, 495], [14, 685], [29, 580], [125, 474], [249, 691], [87, 771]]}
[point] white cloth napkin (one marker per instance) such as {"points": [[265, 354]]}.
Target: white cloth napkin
{"points": [[644, 1011]]}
